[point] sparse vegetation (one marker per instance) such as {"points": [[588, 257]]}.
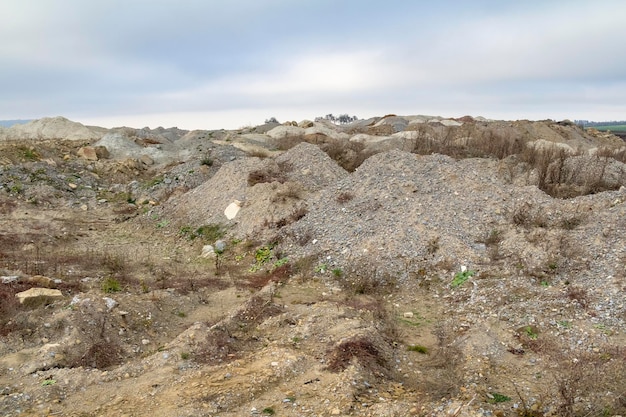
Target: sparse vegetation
{"points": [[313, 274]]}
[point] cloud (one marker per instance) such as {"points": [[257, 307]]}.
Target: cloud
{"points": [[145, 57]]}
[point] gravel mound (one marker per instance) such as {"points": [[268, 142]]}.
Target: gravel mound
{"points": [[50, 128]]}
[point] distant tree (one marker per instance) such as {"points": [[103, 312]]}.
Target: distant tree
{"points": [[341, 119], [344, 119], [271, 120]]}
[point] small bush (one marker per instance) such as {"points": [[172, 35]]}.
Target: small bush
{"points": [[358, 348], [111, 285]]}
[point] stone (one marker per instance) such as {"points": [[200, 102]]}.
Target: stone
{"points": [[146, 160], [111, 303], [233, 208], [220, 246], [42, 281], [101, 152], [88, 153], [408, 315], [208, 251], [8, 279], [38, 296]]}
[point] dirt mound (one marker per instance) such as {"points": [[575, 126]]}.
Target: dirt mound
{"points": [[50, 128], [269, 191]]}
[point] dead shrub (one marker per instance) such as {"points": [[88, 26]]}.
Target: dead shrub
{"points": [[191, 284], [259, 280], [492, 240], [349, 155], [360, 349], [101, 348], [527, 215], [443, 367], [258, 153], [255, 311], [266, 175], [344, 196], [299, 212], [288, 191], [577, 294], [10, 307], [218, 347], [286, 143], [589, 383]]}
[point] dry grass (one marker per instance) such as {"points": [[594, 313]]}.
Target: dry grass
{"points": [[344, 196], [359, 349]]}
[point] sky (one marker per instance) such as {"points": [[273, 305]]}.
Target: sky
{"points": [[208, 64]]}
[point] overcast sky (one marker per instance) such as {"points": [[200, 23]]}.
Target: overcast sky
{"points": [[208, 64]]}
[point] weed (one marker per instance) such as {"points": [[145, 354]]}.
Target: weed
{"points": [[208, 232], [262, 255], [111, 285], [495, 398], [531, 332], [184, 355], [162, 224], [417, 348], [461, 277], [433, 246], [206, 161], [337, 272], [268, 411], [29, 154], [280, 262]]}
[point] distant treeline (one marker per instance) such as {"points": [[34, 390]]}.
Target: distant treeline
{"points": [[587, 123]]}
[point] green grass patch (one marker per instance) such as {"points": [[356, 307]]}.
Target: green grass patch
{"points": [[615, 128], [111, 285], [495, 398], [417, 348]]}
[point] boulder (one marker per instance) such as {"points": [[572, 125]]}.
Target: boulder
{"points": [[233, 208], [101, 152], [42, 281], [38, 296], [280, 132], [146, 160], [88, 153]]}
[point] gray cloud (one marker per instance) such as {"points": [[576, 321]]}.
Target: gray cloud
{"points": [[138, 58]]}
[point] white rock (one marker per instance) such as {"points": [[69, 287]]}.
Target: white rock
{"points": [[233, 208], [207, 251], [111, 303]]}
